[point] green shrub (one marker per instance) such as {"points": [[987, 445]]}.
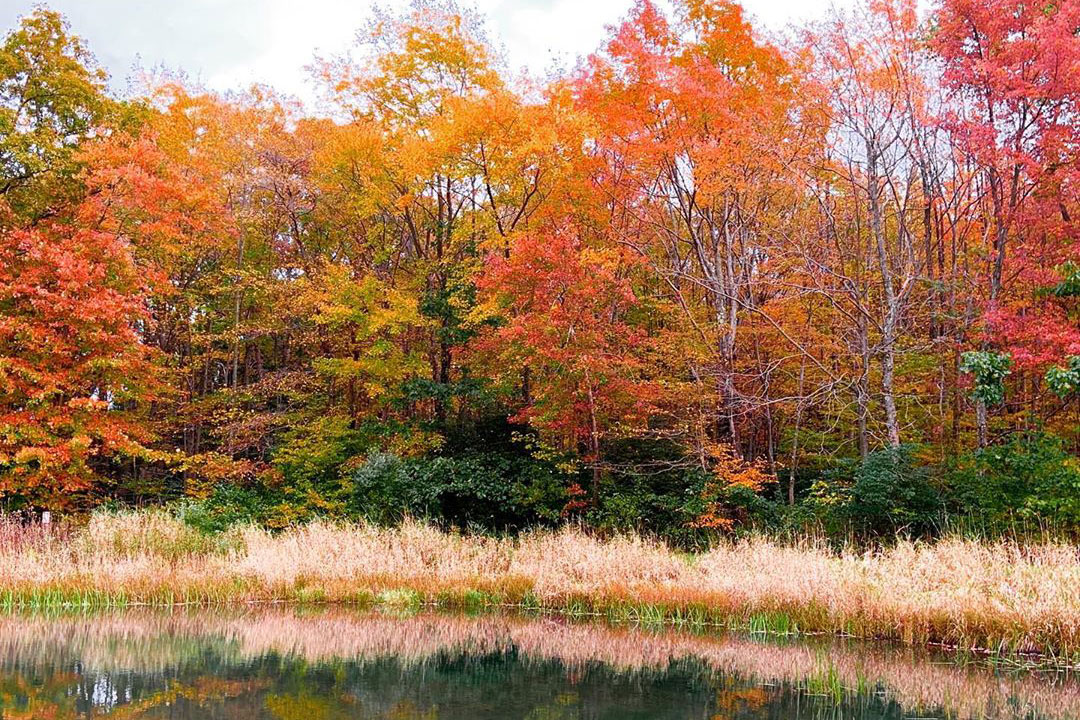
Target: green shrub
{"points": [[989, 370], [383, 491], [888, 493], [492, 491], [229, 505], [1029, 480], [669, 503], [1064, 381]]}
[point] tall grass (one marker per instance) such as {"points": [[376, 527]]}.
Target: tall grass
{"points": [[998, 596]]}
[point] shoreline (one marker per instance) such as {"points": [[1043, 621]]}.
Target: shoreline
{"points": [[408, 602], [1001, 598]]}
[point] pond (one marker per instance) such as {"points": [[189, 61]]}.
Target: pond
{"points": [[289, 663]]}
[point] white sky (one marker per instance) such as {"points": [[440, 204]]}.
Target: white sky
{"points": [[229, 44]]}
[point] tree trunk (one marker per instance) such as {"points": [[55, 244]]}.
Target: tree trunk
{"points": [[892, 303], [981, 424], [862, 389], [795, 439]]}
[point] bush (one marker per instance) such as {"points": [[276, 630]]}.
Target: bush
{"points": [[1031, 479], [887, 493], [669, 504], [492, 491], [226, 507]]}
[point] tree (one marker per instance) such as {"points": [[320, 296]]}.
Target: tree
{"points": [[424, 69], [76, 378], [877, 99], [696, 132], [52, 97], [566, 305], [1014, 118], [1006, 61]]}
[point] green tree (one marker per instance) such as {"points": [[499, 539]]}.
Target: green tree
{"points": [[52, 97]]}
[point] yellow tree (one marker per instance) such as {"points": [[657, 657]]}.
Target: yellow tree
{"points": [[441, 163]]}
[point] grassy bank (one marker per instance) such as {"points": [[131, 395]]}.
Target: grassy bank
{"points": [[1002, 597]]}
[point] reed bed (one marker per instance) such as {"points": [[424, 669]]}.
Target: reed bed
{"points": [[1003, 597], [149, 641]]}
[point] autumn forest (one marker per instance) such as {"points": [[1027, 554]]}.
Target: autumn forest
{"points": [[708, 280]]}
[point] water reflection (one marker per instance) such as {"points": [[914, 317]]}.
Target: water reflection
{"points": [[288, 664]]}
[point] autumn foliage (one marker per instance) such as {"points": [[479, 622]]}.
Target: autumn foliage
{"points": [[705, 256]]}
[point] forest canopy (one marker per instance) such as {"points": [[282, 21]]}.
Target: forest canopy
{"points": [[709, 279]]}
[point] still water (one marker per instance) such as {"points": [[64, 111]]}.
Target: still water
{"points": [[290, 664]]}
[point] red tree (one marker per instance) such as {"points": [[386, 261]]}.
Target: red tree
{"points": [[75, 374], [565, 306]]}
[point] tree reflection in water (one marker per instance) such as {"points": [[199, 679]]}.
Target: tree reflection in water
{"points": [[289, 664]]}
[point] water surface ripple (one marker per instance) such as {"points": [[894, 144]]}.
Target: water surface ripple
{"points": [[301, 664]]}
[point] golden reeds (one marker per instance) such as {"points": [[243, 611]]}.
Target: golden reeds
{"points": [[1000, 596]]}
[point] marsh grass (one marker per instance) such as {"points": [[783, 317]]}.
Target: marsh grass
{"points": [[1001, 597]]}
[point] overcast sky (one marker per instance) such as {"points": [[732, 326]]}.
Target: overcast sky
{"points": [[229, 44]]}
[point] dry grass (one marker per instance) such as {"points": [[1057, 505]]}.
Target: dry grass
{"points": [[1001, 596]]}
